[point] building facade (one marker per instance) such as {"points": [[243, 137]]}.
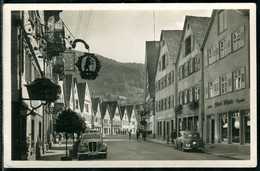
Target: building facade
{"points": [[31, 60], [190, 106], [165, 83], [227, 78], [151, 60]]}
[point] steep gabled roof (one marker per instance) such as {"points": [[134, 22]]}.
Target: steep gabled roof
{"points": [[151, 61], [122, 111], [95, 102], [81, 93], [129, 110], [104, 107], [112, 105], [172, 40], [67, 82], [198, 26]]}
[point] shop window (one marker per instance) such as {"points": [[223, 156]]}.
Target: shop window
{"points": [[223, 127], [188, 45], [238, 39], [223, 84], [247, 126], [235, 127], [239, 79], [222, 21]]}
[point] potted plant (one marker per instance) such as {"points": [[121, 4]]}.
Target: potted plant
{"points": [[193, 105]]}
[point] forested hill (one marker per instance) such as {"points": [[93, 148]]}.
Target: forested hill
{"points": [[119, 79]]}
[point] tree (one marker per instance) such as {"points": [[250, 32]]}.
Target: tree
{"points": [[69, 122]]}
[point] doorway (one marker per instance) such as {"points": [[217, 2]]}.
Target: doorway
{"points": [[212, 130]]}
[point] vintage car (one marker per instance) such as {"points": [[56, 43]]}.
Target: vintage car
{"points": [[91, 144], [189, 140]]}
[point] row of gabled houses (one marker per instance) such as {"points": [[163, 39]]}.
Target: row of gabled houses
{"points": [[110, 117], [198, 78]]}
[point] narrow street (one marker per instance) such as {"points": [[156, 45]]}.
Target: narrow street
{"points": [[121, 148]]}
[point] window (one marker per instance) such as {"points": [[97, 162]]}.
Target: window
{"points": [[32, 133], [211, 92], [186, 96], [210, 55], [181, 97], [165, 80], [77, 104], [86, 106], [239, 79], [223, 83], [172, 77], [172, 101], [238, 39], [169, 79], [186, 69], [188, 45], [169, 102], [166, 104], [197, 63], [222, 21], [225, 46], [163, 62], [196, 92], [191, 94], [191, 68], [181, 72], [223, 129]]}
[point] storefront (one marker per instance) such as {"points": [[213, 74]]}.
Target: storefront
{"points": [[187, 123]]}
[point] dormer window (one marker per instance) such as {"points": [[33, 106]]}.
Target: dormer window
{"points": [[188, 45]]}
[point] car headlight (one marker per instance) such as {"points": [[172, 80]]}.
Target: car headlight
{"points": [[82, 148], [103, 147], [187, 145], [194, 143]]}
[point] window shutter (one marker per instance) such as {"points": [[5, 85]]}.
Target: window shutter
{"points": [[192, 42], [243, 80], [205, 58], [228, 45], [206, 90], [217, 90], [229, 82], [216, 51], [242, 39]]}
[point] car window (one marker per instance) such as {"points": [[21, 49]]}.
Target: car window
{"points": [[191, 135], [90, 136]]}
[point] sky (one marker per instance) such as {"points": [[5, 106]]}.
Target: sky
{"points": [[121, 34]]}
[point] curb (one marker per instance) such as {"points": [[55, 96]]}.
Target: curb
{"points": [[216, 154]]}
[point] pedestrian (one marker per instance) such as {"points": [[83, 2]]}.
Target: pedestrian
{"points": [[130, 132], [60, 136], [144, 135], [173, 136], [137, 134]]}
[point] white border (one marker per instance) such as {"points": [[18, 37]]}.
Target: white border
{"points": [[7, 8]]}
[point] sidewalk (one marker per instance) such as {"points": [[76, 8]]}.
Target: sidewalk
{"points": [[232, 151], [56, 152]]}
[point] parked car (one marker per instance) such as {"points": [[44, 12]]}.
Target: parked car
{"points": [[189, 140], [91, 144]]}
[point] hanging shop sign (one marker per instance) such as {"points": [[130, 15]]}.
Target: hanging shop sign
{"points": [[88, 64], [43, 89]]}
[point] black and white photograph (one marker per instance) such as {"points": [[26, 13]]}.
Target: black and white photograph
{"points": [[129, 85]]}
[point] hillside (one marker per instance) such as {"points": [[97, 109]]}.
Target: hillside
{"points": [[119, 79]]}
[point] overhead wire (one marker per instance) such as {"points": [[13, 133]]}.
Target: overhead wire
{"points": [[88, 24], [78, 23]]}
